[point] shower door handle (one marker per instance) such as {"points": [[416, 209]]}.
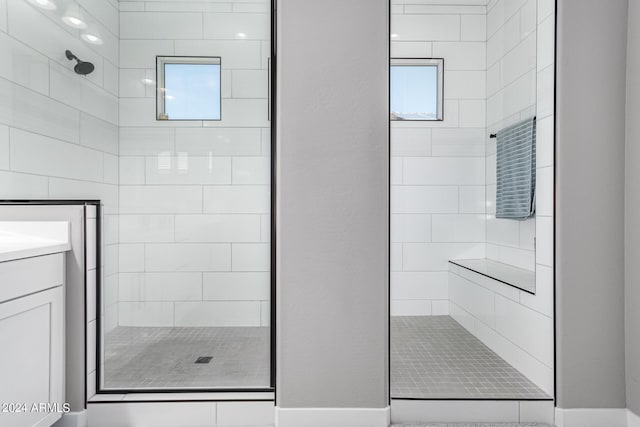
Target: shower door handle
{"points": [[269, 89]]}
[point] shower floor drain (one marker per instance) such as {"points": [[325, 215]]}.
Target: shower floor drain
{"points": [[204, 359]]}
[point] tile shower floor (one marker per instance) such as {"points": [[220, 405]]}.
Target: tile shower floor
{"points": [[435, 357], [158, 358]]}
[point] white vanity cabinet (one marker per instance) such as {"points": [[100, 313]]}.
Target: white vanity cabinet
{"points": [[32, 335]]}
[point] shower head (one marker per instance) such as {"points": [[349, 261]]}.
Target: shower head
{"points": [[82, 67]]}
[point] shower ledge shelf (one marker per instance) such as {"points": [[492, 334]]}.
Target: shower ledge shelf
{"points": [[520, 278]]}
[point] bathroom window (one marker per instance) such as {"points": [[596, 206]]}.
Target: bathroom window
{"points": [[416, 89], [188, 88]]}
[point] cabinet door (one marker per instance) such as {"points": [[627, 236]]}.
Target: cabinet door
{"points": [[31, 359]]}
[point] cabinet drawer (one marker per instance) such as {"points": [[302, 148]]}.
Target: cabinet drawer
{"points": [[29, 275]]}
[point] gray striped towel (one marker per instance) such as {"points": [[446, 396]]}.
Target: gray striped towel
{"points": [[516, 170]]}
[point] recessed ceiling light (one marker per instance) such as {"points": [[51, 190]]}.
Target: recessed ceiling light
{"points": [[394, 35], [73, 18], [91, 38], [44, 4], [148, 81], [241, 35]]}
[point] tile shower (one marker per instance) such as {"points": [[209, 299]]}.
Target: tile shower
{"points": [[186, 228], [194, 252], [456, 333]]}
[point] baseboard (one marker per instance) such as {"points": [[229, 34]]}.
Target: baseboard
{"points": [[72, 419], [610, 417], [633, 420], [332, 417]]}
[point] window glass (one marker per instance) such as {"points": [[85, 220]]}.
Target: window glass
{"points": [[189, 89], [416, 90]]}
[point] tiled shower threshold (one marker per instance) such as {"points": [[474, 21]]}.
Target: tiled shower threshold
{"points": [[196, 396]]}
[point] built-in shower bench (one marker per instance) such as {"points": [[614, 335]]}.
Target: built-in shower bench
{"points": [[520, 278], [500, 305]]}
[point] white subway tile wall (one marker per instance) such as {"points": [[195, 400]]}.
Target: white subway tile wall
{"points": [[511, 96], [186, 204], [438, 168], [59, 130], [513, 323], [195, 195]]}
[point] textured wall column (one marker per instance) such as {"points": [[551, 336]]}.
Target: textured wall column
{"points": [[590, 139], [332, 207], [632, 211]]}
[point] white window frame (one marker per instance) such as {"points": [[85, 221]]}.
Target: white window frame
{"points": [[161, 61], [418, 62]]}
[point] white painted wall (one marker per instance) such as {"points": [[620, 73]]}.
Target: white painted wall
{"points": [[195, 195], [511, 97], [59, 130], [438, 168]]}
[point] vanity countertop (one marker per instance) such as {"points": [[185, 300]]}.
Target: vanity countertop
{"points": [[25, 239]]}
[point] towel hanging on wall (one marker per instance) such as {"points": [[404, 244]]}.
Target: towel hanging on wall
{"points": [[516, 170]]}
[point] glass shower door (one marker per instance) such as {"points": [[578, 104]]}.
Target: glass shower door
{"points": [[190, 305]]}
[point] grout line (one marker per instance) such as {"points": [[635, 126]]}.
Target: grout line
{"points": [[76, 109], [505, 19], [49, 81], [504, 54], [51, 61], [99, 21], [498, 293], [512, 82], [476, 319]]}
